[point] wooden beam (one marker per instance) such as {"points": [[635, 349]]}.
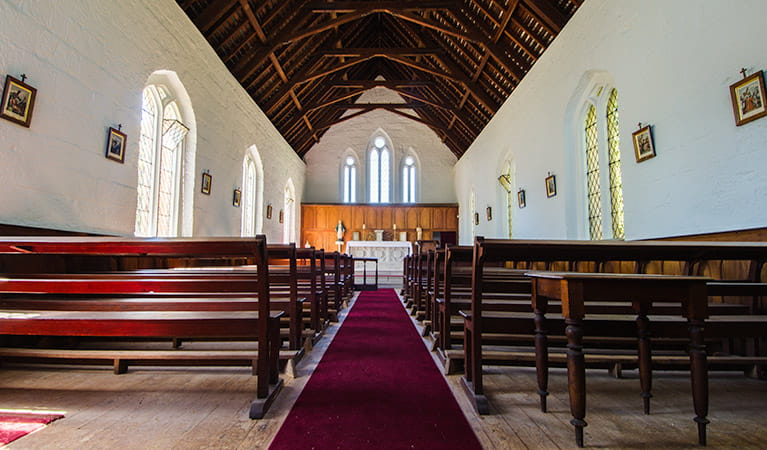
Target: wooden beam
{"points": [[212, 14], [380, 51], [351, 6], [548, 13], [428, 23], [369, 84], [332, 101], [417, 119], [379, 105]]}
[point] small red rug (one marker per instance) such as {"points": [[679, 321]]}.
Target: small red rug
{"points": [[376, 387], [15, 424]]}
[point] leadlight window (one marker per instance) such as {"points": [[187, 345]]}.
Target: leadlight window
{"points": [[379, 171], [249, 198], [616, 182], [350, 180], [161, 147], [592, 174], [408, 180]]}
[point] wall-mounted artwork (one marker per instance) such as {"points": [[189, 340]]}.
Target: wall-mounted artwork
{"points": [[748, 98], [551, 186], [269, 211], [489, 212], [18, 101], [282, 216], [207, 181], [236, 198], [521, 201], [116, 145], [476, 218], [644, 148]]}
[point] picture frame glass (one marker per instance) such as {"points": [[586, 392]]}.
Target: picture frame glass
{"points": [[521, 201], [644, 148], [236, 198], [207, 180], [551, 186], [116, 145], [748, 97], [18, 101]]}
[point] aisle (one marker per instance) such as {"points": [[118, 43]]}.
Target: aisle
{"points": [[376, 387]]}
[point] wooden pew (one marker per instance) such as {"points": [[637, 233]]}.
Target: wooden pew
{"points": [[598, 255], [158, 317], [333, 283]]}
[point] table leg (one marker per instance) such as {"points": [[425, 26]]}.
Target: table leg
{"points": [[645, 358], [699, 377], [576, 376], [541, 353]]}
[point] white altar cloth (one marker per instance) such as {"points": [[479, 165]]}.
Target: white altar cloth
{"points": [[389, 253]]}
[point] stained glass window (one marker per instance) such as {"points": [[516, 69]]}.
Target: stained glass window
{"points": [[616, 182], [592, 174]]}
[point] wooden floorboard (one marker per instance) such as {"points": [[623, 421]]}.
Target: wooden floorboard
{"points": [[207, 408]]}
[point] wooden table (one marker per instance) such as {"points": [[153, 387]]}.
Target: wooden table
{"points": [[573, 289]]}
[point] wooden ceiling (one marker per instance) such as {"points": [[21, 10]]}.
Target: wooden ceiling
{"points": [[306, 62]]}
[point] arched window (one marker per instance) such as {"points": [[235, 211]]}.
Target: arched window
{"points": [[161, 154], [614, 158], [602, 146], [349, 179], [409, 179], [506, 181], [380, 167], [592, 174], [252, 193], [289, 214]]}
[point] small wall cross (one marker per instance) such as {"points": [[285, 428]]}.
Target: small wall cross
{"points": [[743, 71]]}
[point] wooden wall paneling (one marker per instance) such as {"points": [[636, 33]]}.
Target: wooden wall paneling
{"points": [[438, 219], [412, 218], [425, 218]]}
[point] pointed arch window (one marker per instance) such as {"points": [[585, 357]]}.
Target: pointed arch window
{"points": [[408, 180], [350, 180], [379, 177], [506, 182], [161, 148], [249, 198], [289, 214]]}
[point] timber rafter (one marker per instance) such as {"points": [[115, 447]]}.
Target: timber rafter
{"points": [[307, 62]]}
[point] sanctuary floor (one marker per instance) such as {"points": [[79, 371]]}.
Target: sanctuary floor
{"points": [[208, 408]]}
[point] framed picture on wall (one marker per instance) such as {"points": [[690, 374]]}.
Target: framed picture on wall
{"points": [[269, 211], [644, 148], [551, 186], [489, 212], [748, 98], [521, 201], [282, 216], [476, 218], [207, 181], [236, 197], [116, 145], [18, 101]]}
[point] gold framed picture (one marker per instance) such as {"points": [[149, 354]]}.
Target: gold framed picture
{"points": [[18, 101], [551, 186], [116, 145], [236, 198], [521, 201], [644, 148], [207, 181], [748, 98]]}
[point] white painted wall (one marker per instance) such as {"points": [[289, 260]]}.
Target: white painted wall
{"points": [[90, 60], [672, 62], [435, 178]]}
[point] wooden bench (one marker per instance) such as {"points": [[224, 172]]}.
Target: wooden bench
{"points": [[154, 316], [490, 319]]}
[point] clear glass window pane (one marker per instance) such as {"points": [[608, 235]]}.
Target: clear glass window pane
{"points": [[347, 183], [374, 176], [353, 187], [592, 174], [616, 179], [146, 164], [385, 175]]}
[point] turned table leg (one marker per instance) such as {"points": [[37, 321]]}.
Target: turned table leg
{"points": [[576, 376], [645, 356], [541, 353], [699, 375]]}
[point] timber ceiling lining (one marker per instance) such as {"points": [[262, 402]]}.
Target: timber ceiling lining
{"points": [[306, 62]]}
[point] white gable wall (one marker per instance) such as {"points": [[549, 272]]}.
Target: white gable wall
{"points": [[672, 63], [434, 158], [90, 60]]}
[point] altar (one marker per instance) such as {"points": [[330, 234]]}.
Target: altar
{"points": [[389, 253]]}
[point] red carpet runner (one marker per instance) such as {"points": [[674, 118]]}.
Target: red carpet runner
{"points": [[376, 387]]}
